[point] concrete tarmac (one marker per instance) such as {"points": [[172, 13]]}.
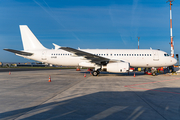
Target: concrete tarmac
{"points": [[27, 95]]}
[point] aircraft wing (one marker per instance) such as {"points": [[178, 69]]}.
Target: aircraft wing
{"points": [[89, 56], [19, 52]]}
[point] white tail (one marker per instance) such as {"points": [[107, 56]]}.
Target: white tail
{"points": [[30, 42]]}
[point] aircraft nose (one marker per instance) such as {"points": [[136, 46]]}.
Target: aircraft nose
{"points": [[174, 61]]}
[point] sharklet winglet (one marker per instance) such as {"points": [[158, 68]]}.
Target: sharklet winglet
{"points": [[56, 46]]}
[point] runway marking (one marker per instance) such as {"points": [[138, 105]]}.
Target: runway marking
{"points": [[132, 86], [107, 112]]}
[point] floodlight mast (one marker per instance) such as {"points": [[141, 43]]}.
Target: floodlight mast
{"points": [[172, 43]]}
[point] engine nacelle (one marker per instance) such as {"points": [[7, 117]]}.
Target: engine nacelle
{"points": [[119, 67]]}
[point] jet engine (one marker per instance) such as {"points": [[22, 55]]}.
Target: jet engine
{"points": [[117, 67]]}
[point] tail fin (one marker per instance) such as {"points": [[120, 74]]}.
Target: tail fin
{"points": [[30, 42]]}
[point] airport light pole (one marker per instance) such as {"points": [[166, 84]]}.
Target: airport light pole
{"points": [[172, 44]]}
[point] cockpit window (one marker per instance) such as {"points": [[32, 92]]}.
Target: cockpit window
{"points": [[166, 54]]}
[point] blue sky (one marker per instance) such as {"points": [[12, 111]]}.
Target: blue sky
{"points": [[112, 24]]}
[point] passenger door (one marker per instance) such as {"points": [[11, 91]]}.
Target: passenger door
{"points": [[43, 56], [155, 56]]}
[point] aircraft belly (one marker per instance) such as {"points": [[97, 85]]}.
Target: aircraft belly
{"points": [[65, 61]]}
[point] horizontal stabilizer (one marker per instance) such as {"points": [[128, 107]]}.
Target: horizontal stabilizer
{"points": [[19, 52]]}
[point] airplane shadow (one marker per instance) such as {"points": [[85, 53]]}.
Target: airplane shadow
{"points": [[107, 105]]}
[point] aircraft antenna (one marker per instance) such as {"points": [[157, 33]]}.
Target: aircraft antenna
{"points": [[172, 44]]}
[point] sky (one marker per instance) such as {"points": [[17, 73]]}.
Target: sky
{"points": [[103, 24]]}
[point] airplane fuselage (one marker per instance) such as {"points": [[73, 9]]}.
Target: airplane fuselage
{"points": [[136, 57]]}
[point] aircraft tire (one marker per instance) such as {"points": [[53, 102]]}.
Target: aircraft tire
{"points": [[95, 73]]}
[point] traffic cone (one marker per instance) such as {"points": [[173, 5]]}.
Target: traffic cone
{"points": [[134, 75], [84, 74], [78, 69], [49, 78], [9, 72]]}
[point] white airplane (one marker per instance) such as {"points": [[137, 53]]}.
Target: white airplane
{"points": [[110, 60]]}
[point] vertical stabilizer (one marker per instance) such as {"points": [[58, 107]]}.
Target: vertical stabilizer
{"points": [[30, 42]]}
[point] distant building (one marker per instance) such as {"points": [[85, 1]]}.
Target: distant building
{"points": [[1, 64]]}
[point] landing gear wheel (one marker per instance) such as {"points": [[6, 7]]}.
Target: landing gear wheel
{"points": [[153, 73], [95, 73]]}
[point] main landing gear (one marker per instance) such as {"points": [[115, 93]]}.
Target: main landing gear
{"points": [[95, 73]]}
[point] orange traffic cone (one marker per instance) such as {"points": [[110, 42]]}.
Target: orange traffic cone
{"points": [[84, 74], [78, 69], [134, 75], [9, 72], [49, 78]]}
